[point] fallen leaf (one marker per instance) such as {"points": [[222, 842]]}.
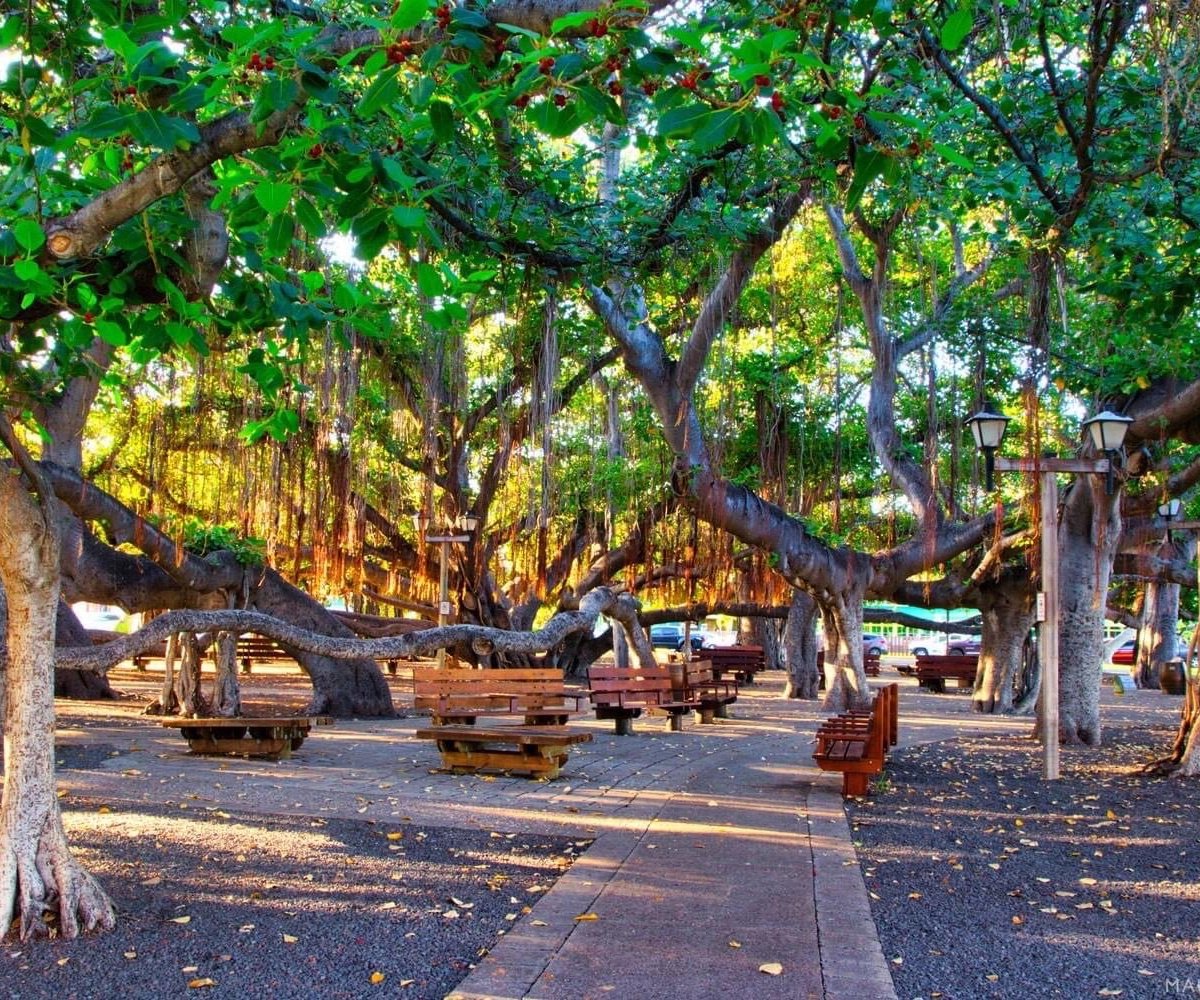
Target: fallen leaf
{"points": [[131, 954], [289, 939], [104, 809], [1107, 992], [771, 968], [155, 880], [389, 905], [461, 905], [245, 928], [586, 916], [395, 836], [407, 982], [63, 961], [377, 978], [185, 919], [539, 923], [1018, 920], [735, 944], [199, 984]]}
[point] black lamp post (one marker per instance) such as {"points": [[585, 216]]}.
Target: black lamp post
{"points": [[1107, 431], [988, 430]]}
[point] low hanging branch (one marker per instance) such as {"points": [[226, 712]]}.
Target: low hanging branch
{"points": [[602, 601]]}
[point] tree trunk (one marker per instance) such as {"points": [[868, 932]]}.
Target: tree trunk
{"points": [[1158, 640], [848, 688], [37, 871], [82, 684], [226, 698], [341, 688], [800, 648], [188, 694], [765, 633], [1088, 536], [1007, 608]]}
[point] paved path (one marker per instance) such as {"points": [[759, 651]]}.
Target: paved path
{"points": [[717, 851]]}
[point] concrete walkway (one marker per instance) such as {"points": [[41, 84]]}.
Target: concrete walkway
{"points": [[718, 852]]}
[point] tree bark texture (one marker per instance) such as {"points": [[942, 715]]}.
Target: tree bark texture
{"points": [[800, 647], [37, 871], [1089, 531], [1007, 609]]}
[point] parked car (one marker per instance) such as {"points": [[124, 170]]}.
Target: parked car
{"points": [[669, 635], [954, 645], [873, 645], [1125, 653]]}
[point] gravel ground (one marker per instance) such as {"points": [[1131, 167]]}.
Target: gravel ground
{"points": [[224, 904], [988, 882]]}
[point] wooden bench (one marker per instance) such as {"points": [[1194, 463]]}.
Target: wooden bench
{"points": [[933, 671], [460, 695], [871, 664], [540, 751], [623, 693], [268, 736], [856, 743], [713, 695], [742, 662], [258, 647]]}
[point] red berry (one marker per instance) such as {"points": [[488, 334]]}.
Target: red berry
{"points": [[612, 64], [860, 120], [131, 90], [615, 88], [914, 147], [270, 63], [649, 87], [316, 152], [777, 101], [689, 80], [560, 100], [762, 80], [597, 28], [832, 112], [546, 65], [89, 317], [522, 101]]}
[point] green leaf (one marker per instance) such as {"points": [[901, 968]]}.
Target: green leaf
{"points": [[568, 21], [383, 90], [27, 269], [869, 165], [29, 234], [556, 122], [429, 280], [409, 216], [107, 121], [716, 129], [441, 117], [951, 155], [958, 25], [280, 233], [409, 13], [310, 218], [276, 94], [111, 332], [682, 121], [162, 131], [273, 196]]}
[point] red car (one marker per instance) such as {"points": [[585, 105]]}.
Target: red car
{"points": [[1124, 654]]}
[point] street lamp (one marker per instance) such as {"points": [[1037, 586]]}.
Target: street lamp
{"points": [[1168, 510], [458, 530], [988, 429], [1108, 432]]}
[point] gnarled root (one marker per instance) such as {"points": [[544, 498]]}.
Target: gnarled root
{"points": [[42, 884]]}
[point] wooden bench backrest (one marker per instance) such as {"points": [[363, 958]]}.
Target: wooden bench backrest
{"points": [[605, 678], [699, 672], [752, 656], [531, 686], [955, 665]]}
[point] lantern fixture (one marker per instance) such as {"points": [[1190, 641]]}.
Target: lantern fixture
{"points": [[988, 430], [1107, 431]]}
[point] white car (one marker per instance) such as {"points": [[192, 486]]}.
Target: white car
{"points": [[941, 645], [100, 617]]}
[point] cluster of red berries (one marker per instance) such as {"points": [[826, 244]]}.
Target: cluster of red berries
{"points": [[89, 317], [762, 80], [442, 13], [596, 28], [258, 64], [399, 51], [831, 111], [649, 87], [521, 101], [615, 88], [546, 65], [690, 80], [122, 92], [612, 64], [777, 101], [560, 100], [315, 152]]}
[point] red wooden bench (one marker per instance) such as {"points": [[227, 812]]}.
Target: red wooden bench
{"points": [[463, 694], [623, 693], [742, 662], [933, 671], [856, 743], [714, 695]]}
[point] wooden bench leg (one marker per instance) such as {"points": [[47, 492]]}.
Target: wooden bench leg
{"points": [[675, 722], [624, 725], [854, 783], [706, 714]]}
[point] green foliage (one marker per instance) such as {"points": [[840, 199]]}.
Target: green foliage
{"points": [[204, 539]]}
